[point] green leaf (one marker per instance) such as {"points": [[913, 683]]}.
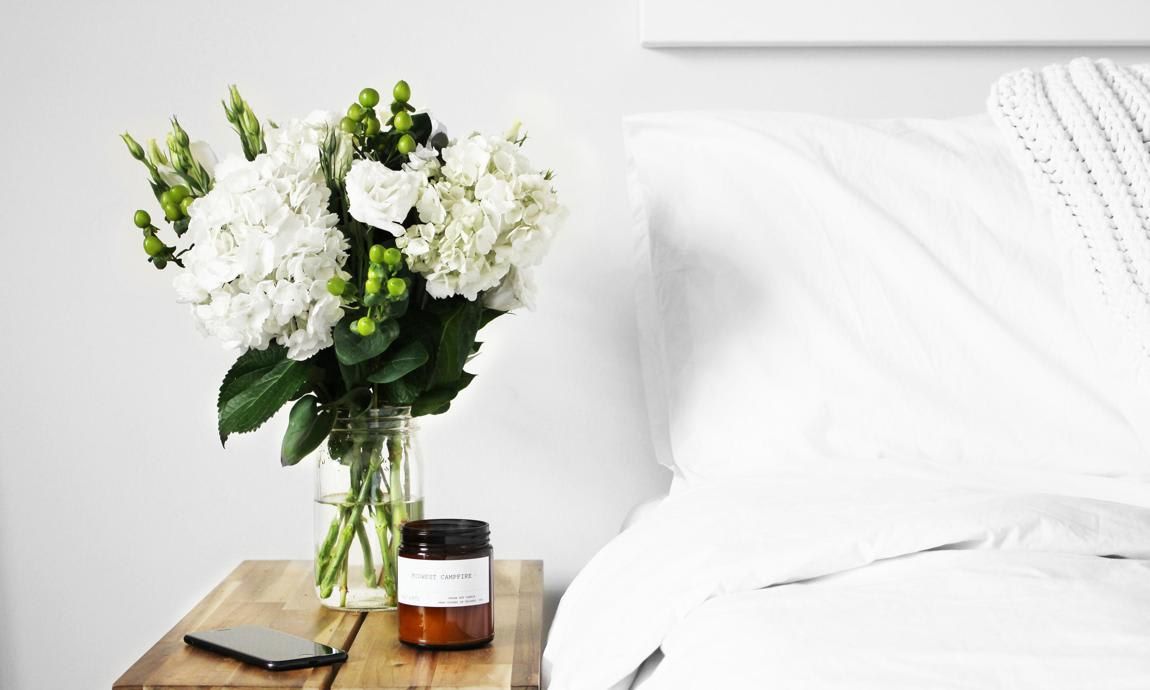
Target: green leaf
{"points": [[252, 361], [401, 392], [405, 360], [352, 348], [489, 315], [455, 343], [438, 400], [253, 399], [308, 426]]}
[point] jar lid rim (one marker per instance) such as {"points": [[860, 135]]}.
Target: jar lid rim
{"points": [[446, 531]]}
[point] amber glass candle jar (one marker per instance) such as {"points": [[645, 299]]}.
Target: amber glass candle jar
{"points": [[445, 589]]}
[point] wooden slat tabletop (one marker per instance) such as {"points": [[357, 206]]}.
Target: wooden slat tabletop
{"points": [[279, 594]]}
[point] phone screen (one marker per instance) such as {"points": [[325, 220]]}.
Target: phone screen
{"points": [[264, 644]]}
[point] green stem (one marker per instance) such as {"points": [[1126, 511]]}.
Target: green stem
{"points": [[365, 546], [338, 560]]}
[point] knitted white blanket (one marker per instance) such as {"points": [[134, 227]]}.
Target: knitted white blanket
{"points": [[1083, 130]]}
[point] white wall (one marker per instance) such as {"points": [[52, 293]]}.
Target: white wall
{"points": [[118, 509]]}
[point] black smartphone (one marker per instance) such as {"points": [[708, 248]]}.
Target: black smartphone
{"points": [[266, 648]]}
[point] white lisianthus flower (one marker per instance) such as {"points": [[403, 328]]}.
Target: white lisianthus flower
{"points": [[265, 246], [485, 217], [516, 290], [381, 197]]}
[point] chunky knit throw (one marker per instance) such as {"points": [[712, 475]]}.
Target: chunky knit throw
{"points": [[1083, 130]]}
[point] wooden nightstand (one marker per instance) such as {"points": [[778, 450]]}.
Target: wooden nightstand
{"points": [[279, 594]]}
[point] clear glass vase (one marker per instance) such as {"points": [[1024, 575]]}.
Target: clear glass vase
{"points": [[368, 484]]}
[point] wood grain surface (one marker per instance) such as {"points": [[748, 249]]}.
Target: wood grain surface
{"points": [[279, 594]]}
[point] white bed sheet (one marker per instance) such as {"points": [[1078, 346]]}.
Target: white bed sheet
{"points": [[875, 579]]}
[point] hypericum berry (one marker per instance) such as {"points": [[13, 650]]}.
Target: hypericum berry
{"points": [[179, 193], [405, 145], [153, 246], [375, 254], [348, 125], [371, 125], [396, 287], [142, 219], [355, 111], [372, 286], [167, 198], [392, 257], [184, 204], [401, 92], [172, 211], [369, 98], [336, 285], [401, 121], [376, 272], [365, 326]]}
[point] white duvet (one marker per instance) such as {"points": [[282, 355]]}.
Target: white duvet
{"points": [[868, 580]]}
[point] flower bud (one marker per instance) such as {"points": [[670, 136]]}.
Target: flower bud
{"points": [[250, 122], [134, 147], [155, 154], [180, 134], [513, 133]]}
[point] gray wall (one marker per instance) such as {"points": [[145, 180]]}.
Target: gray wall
{"points": [[118, 509]]}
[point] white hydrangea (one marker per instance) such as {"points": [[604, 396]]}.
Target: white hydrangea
{"points": [[486, 216], [265, 246]]}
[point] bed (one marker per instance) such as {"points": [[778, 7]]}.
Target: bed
{"points": [[908, 430]]}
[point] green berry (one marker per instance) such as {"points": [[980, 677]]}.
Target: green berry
{"points": [[167, 198], [396, 287], [142, 219], [185, 203], [401, 121], [172, 211], [153, 246], [376, 272], [365, 326], [405, 145], [372, 286], [371, 125], [179, 193], [336, 286], [401, 92], [369, 98], [348, 125], [375, 254], [392, 257], [355, 112]]}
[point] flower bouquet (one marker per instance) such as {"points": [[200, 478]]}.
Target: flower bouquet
{"points": [[351, 260]]}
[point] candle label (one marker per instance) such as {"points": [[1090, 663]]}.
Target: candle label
{"points": [[444, 583]]}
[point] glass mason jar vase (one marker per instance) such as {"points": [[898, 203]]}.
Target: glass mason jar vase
{"points": [[368, 484]]}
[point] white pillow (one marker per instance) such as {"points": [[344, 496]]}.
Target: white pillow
{"points": [[822, 291]]}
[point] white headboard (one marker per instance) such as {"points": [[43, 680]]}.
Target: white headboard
{"points": [[686, 23]]}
